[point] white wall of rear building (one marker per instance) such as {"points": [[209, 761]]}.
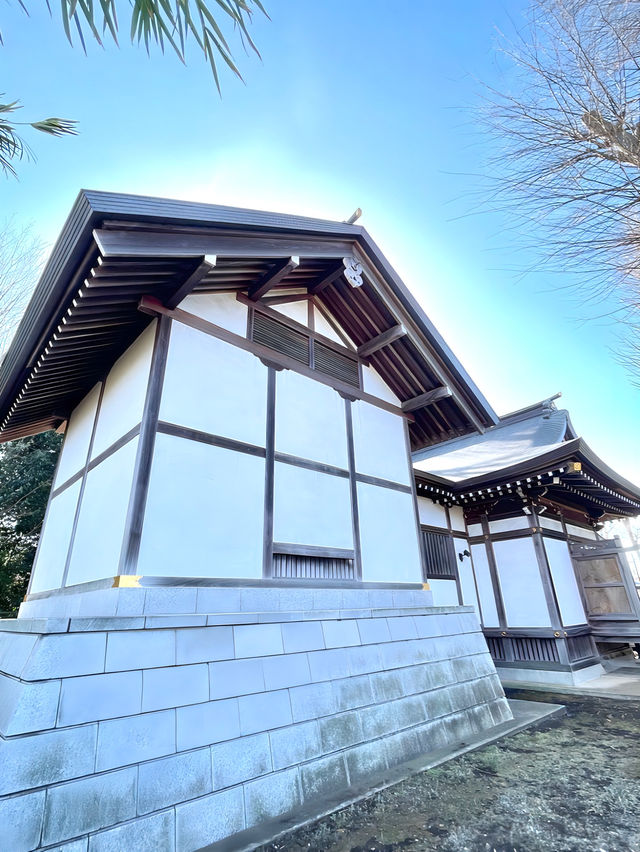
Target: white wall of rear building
{"points": [[486, 594], [521, 584], [509, 524], [565, 582], [581, 532], [310, 420], [456, 516], [214, 387], [465, 573], [97, 543], [388, 535], [445, 592], [50, 560], [77, 437], [431, 514], [124, 393], [205, 512]]}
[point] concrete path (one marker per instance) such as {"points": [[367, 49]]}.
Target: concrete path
{"points": [[621, 681]]}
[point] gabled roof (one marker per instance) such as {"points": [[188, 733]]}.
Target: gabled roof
{"points": [[114, 249], [535, 447]]}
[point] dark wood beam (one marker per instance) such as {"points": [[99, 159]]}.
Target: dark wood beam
{"points": [[383, 339], [336, 272], [202, 267], [273, 277], [285, 300], [426, 398]]}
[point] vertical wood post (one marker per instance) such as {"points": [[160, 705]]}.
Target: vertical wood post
{"points": [[269, 473], [144, 455], [353, 486]]}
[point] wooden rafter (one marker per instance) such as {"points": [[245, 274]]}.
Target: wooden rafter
{"points": [[202, 267], [427, 398], [330, 277], [381, 340], [273, 277]]}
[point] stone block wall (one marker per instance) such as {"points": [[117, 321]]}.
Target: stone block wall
{"points": [[170, 732]]}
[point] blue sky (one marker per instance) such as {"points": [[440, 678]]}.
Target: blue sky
{"points": [[370, 104]]}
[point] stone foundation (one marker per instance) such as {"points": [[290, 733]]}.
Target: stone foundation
{"points": [[154, 730]]}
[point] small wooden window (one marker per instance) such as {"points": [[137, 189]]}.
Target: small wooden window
{"points": [[440, 555]]}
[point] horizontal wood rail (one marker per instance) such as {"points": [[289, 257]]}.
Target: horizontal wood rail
{"points": [[153, 307]]}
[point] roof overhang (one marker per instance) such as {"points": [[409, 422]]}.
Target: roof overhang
{"points": [[570, 474], [116, 249]]}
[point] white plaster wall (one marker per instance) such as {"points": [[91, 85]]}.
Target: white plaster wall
{"points": [[520, 583], [310, 420], [323, 327], [565, 582], [550, 523], [445, 592], [297, 311], [214, 387], [124, 393], [223, 309], [311, 507], [54, 540], [508, 524], [431, 513], [205, 512], [98, 540], [581, 532], [388, 535], [488, 608], [373, 383], [456, 515], [379, 441], [77, 437], [475, 529]]}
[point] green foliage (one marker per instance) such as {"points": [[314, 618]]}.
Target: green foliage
{"points": [[12, 145], [26, 472]]}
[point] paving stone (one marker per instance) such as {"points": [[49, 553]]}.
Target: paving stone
{"points": [[328, 665], [296, 600], [143, 835], [286, 670], [173, 780], [380, 598], [204, 645], [130, 601], [240, 760], [264, 712], [373, 630], [364, 659], [27, 707], [66, 655], [259, 600], [89, 804], [104, 696], [340, 634], [353, 692], [74, 846], [209, 819], [165, 601], [402, 746], [328, 599], [257, 640], [174, 686], [438, 703], [141, 650], [271, 796], [341, 731], [293, 745], [302, 636], [163, 622], [135, 738], [34, 761], [378, 720], [324, 777], [204, 724], [21, 820], [402, 628], [235, 677], [387, 685], [365, 760], [218, 600], [313, 701]]}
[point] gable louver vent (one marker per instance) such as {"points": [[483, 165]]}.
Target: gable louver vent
{"points": [[333, 363], [305, 348], [276, 335]]}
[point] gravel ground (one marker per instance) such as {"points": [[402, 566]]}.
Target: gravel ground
{"points": [[568, 785]]}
